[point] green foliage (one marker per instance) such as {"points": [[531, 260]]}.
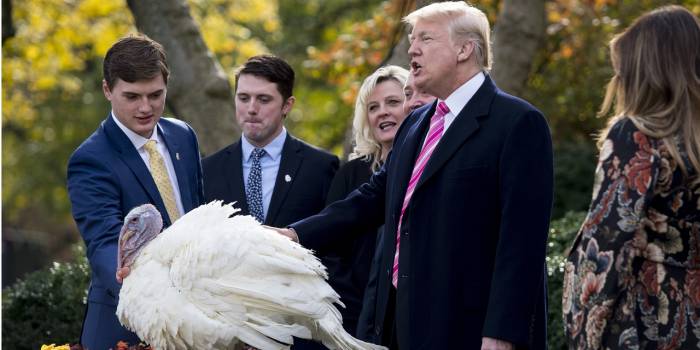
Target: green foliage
{"points": [[561, 236], [51, 101], [236, 30], [574, 165], [47, 306], [331, 56], [569, 75]]}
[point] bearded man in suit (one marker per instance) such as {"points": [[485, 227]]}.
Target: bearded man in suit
{"points": [[465, 197], [134, 157]]}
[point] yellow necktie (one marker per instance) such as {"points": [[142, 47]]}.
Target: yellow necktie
{"points": [[162, 179]]}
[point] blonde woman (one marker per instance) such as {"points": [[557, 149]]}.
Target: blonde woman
{"points": [[633, 276], [378, 115]]}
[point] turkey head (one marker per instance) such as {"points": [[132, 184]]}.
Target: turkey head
{"points": [[141, 225]]}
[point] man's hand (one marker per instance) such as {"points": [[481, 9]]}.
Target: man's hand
{"points": [[287, 232], [495, 344], [122, 273]]}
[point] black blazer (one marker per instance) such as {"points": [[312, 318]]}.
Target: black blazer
{"points": [[473, 238], [349, 263], [310, 169]]}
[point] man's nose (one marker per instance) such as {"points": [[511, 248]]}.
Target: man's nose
{"points": [[252, 107], [413, 48], [144, 105]]}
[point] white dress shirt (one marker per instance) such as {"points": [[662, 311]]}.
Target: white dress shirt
{"points": [[460, 97], [139, 141]]}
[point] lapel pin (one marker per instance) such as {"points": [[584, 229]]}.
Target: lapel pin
{"points": [[287, 178], [177, 155]]}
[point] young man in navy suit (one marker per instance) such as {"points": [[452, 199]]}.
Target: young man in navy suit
{"points": [[269, 173], [465, 197], [134, 157]]}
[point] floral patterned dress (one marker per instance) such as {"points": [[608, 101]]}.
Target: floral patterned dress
{"points": [[632, 279]]}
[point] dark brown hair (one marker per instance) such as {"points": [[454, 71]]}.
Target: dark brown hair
{"points": [[272, 69], [657, 80], [134, 58]]}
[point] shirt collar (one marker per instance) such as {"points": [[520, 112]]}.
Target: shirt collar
{"points": [[273, 149], [460, 97], [137, 140]]}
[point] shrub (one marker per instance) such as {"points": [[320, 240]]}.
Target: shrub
{"points": [[561, 236], [574, 165], [46, 306]]}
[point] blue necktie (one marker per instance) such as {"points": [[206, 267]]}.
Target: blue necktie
{"points": [[254, 191]]}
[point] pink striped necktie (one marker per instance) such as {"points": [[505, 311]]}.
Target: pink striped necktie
{"points": [[437, 126]]}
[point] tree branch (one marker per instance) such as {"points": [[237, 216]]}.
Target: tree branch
{"points": [[8, 28]]}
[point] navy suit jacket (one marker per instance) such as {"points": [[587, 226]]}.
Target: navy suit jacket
{"points": [[473, 237], [309, 170], [106, 178]]}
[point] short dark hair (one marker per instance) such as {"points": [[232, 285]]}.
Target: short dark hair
{"points": [[272, 69], [134, 58]]}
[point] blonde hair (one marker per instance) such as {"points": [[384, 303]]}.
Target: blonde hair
{"points": [[464, 23], [366, 145], [657, 81]]}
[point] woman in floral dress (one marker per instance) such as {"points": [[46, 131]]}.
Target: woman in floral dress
{"points": [[633, 275]]}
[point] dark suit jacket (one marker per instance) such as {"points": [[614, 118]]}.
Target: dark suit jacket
{"points": [[473, 238], [349, 263], [310, 169], [107, 178]]}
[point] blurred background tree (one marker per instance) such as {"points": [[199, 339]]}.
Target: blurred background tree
{"points": [[51, 97]]}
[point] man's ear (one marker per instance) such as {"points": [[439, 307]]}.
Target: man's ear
{"points": [[106, 90], [288, 104], [465, 51]]}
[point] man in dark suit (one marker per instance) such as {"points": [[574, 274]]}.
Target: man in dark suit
{"points": [[134, 157], [270, 174], [294, 176], [465, 197]]}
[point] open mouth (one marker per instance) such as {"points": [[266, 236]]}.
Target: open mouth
{"points": [[386, 125], [415, 67]]}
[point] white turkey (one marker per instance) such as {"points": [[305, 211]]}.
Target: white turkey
{"points": [[212, 281]]}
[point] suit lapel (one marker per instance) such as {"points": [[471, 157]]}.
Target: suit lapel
{"points": [[461, 129], [133, 160], [233, 171], [409, 151], [182, 179], [289, 164]]}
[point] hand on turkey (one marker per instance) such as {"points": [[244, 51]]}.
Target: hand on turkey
{"points": [[287, 232]]}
